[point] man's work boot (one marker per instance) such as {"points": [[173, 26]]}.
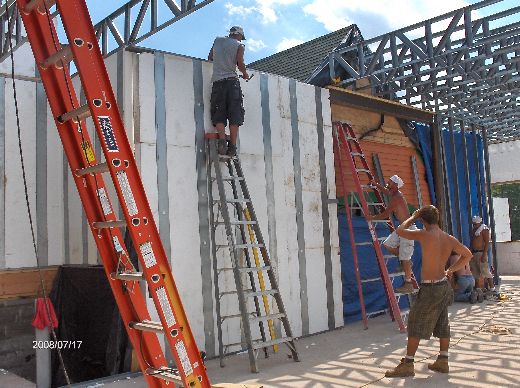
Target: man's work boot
{"points": [[404, 369], [440, 365], [480, 295], [406, 288], [222, 146], [231, 150], [473, 297]]}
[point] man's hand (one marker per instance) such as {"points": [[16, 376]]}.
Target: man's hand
{"points": [[245, 76], [416, 214]]}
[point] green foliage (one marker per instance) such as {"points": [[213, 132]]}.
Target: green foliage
{"points": [[512, 192]]}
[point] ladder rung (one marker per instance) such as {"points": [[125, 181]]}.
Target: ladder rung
{"points": [[229, 178], [234, 200], [95, 169], [391, 275], [363, 170], [380, 221], [247, 269], [232, 292], [238, 223], [59, 58], [384, 311], [108, 224], [364, 243], [375, 204], [390, 257], [267, 317], [251, 294], [132, 276], [398, 294], [151, 326], [222, 317], [165, 374], [357, 154], [245, 246], [266, 344], [33, 4], [77, 114]]}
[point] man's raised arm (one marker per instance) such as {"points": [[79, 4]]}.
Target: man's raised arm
{"points": [[403, 230]]}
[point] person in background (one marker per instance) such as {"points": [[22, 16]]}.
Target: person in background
{"points": [[463, 283], [226, 95], [479, 263], [396, 245]]}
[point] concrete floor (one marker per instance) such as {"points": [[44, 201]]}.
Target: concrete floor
{"points": [[485, 351]]}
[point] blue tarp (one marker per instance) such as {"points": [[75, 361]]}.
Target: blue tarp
{"points": [[373, 292]]}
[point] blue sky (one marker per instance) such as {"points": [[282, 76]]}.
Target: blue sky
{"points": [[273, 25]]}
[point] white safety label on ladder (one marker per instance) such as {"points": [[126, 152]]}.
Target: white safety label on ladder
{"points": [[165, 306], [183, 356], [117, 245], [148, 255], [103, 198], [127, 193], [108, 133]]}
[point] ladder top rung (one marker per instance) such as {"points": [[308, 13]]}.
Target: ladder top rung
{"points": [[132, 276], [267, 317], [261, 345]]}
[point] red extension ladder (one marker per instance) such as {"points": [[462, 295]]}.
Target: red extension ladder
{"points": [[347, 147], [53, 60]]}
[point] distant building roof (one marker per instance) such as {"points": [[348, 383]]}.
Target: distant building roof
{"points": [[299, 62]]}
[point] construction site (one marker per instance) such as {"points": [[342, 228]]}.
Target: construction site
{"points": [[141, 246]]}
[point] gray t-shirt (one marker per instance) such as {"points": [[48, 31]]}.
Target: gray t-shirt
{"points": [[225, 58]]}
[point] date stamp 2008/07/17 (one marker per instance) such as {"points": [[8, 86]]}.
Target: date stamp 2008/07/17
{"points": [[57, 344]]}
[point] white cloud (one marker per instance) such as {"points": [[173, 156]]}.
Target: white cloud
{"points": [[288, 43], [267, 9], [255, 45], [392, 13]]}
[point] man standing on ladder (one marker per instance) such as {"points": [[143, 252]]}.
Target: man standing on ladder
{"points": [[398, 246], [429, 312], [226, 95]]}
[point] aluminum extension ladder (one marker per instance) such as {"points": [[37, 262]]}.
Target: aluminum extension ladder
{"points": [[53, 60], [347, 148], [244, 253]]}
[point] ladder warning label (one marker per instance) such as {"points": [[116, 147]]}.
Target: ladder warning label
{"points": [[165, 307], [147, 253], [185, 360], [105, 204], [117, 245], [127, 193], [108, 133], [88, 153]]}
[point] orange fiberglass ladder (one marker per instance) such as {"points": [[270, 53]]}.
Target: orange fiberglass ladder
{"points": [[52, 60], [347, 147]]}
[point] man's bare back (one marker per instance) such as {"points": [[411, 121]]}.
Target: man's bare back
{"points": [[397, 205], [436, 245]]}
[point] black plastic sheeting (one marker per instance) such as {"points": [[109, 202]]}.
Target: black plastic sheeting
{"points": [[87, 312]]}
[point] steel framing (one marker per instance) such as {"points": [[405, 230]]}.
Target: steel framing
{"points": [[111, 38], [460, 66]]}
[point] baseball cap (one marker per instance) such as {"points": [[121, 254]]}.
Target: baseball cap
{"points": [[476, 219], [397, 180], [237, 30]]}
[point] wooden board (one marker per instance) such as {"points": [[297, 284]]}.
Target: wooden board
{"points": [[25, 283]]}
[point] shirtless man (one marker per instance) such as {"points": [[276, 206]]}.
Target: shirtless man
{"points": [[398, 246], [463, 283], [429, 312], [480, 246]]}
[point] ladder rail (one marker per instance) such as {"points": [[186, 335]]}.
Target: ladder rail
{"points": [[233, 252], [338, 152], [55, 84], [265, 258], [392, 301]]}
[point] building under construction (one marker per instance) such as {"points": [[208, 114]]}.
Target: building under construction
{"points": [[148, 252]]}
